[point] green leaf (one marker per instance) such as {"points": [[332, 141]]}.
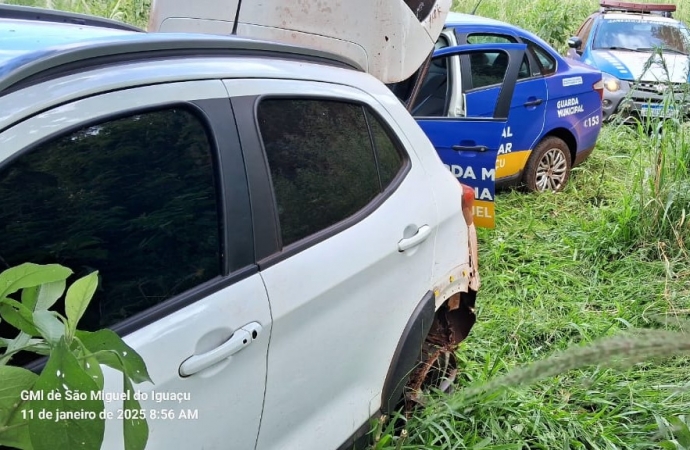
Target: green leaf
{"points": [[78, 297], [20, 341], [14, 381], [91, 366], [64, 376], [29, 297], [136, 431], [18, 315], [27, 345], [49, 325], [106, 346], [13, 426], [680, 431], [44, 296], [29, 275]]}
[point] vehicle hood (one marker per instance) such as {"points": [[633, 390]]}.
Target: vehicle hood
{"points": [[628, 65], [388, 39]]}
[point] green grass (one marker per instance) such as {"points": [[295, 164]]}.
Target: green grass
{"points": [[562, 271]]}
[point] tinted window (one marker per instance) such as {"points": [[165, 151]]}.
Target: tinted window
{"points": [[442, 42], [477, 38], [390, 160], [547, 63], [321, 160], [488, 68], [134, 198], [431, 99]]}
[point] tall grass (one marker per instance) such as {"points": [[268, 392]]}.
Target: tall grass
{"points": [[135, 12]]}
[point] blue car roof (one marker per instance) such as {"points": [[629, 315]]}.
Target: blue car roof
{"points": [[478, 23], [455, 19], [21, 38]]}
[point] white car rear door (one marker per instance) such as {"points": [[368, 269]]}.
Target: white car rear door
{"points": [[352, 255]]}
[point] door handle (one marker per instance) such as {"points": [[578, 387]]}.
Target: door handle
{"points": [[535, 102], [239, 340], [420, 236], [470, 148]]}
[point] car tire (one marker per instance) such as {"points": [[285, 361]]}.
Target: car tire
{"points": [[548, 167]]}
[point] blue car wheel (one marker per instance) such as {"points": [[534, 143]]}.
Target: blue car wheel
{"points": [[548, 168]]}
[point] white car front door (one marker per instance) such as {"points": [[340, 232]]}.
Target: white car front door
{"points": [[147, 186]]}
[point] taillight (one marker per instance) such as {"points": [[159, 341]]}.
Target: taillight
{"points": [[599, 87], [467, 203]]}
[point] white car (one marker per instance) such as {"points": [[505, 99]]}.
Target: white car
{"points": [[274, 233]]}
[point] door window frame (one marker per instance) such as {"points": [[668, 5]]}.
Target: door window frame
{"points": [[232, 197], [269, 250]]}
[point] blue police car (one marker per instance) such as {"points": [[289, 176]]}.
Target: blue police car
{"points": [[643, 54], [498, 97]]}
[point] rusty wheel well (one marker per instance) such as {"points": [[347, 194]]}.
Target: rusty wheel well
{"points": [[437, 366], [429, 334]]}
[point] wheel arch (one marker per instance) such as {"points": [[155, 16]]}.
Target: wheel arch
{"points": [[407, 352], [566, 136], [456, 317]]}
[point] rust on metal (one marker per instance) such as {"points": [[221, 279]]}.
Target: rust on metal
{"points": [[438, 368]]}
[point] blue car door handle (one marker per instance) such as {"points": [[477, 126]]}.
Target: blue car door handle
{"points": [[535, 102], [470, 148]]}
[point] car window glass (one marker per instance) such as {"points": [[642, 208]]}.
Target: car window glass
{"points": [[134, 198], [388, 154], [321, 161], [585, 30], [635, 35], [547, 63], [486, 38], [431, 100], [441, 42], [488, 68]]}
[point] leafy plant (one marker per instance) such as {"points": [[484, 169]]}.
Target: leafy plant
{"points": [[63, 406]]}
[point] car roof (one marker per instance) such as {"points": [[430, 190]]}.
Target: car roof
{"points": [[461, 20], [34, 49]]}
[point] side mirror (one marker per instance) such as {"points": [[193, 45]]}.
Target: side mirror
{"points": [[575, 43]]}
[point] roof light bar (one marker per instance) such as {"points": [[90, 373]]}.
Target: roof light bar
{"points": [[611, 5]]}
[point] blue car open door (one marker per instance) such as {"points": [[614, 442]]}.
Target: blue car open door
{"points": [[468, 146]]}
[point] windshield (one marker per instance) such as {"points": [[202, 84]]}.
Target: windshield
{"points": [[642, 35]]}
